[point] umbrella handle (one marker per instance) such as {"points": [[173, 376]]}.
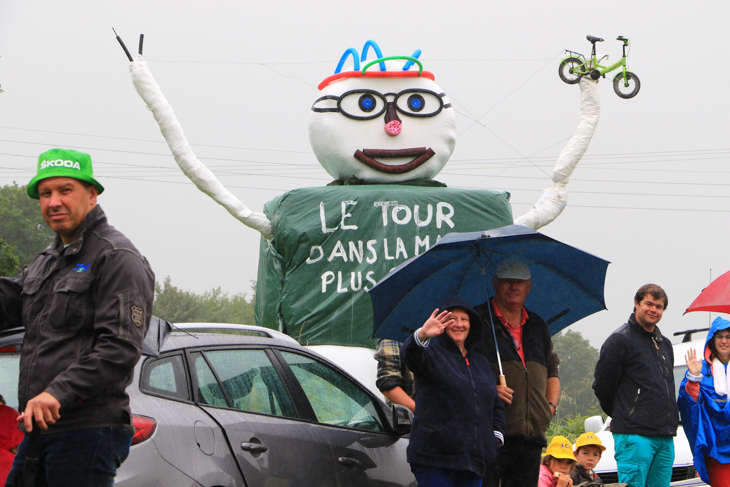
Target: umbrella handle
{"points": [[502, 381]]}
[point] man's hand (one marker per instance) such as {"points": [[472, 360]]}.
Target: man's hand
{"points": [[44, 408], [505, 394]]}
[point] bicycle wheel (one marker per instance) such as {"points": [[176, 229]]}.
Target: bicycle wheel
{"points": [[626, 88], [570, 70]]}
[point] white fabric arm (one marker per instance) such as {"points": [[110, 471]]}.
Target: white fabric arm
{"points": [[195, 170], [553, 200]]}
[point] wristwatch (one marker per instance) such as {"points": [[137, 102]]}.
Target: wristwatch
{"points": [[555, 406]]}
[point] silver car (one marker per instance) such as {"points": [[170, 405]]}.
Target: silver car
{"points": [[242, 405]]}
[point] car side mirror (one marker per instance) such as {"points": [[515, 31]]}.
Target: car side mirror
{"points": [[402, 420], [594, 424]]}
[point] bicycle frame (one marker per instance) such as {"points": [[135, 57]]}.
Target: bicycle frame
{"points": [[593, 63], [575, 66]]}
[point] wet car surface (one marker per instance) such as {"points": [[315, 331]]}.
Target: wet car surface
{"points": [[227, 405]]}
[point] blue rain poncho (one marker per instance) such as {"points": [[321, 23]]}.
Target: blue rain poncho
{"points": [[707, 421]]}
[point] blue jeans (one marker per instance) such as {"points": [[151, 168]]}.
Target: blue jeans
{"points": [[644, 460], [88, 457], [440, 477]]}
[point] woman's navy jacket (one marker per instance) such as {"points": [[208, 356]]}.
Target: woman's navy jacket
{"points": [[457, 407]]}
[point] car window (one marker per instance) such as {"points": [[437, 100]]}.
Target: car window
{"points": [[250, 381], [208, 389], [9, 370], [165, 377], [679, 373], [335, 398]]}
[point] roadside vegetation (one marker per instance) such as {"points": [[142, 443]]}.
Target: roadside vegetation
{"points": [[577, 401]]}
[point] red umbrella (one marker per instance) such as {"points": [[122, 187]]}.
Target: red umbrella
{"points": [[715, 297]]}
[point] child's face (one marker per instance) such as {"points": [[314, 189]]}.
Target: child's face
{"points": [[588, 456], [562, 465]]}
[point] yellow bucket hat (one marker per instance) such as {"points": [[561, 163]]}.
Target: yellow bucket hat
{"points": [[587, 439], [560, 447]]}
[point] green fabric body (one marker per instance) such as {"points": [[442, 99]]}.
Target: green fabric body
{"points": [[332, 244]]}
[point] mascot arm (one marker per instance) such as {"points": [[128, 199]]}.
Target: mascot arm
{"points": [[554, 199], [195, 170]]}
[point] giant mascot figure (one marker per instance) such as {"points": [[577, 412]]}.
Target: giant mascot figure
{"points": [[383, 129]]}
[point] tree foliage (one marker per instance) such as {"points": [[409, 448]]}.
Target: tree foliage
{"points": [[178, 306], [577, 401], [21, 225], [571, 427], [8, 261], [577, 363]]}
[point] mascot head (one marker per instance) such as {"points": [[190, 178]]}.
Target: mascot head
{"points": [[385, 122]]}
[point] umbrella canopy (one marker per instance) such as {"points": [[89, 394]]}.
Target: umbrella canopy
{"points": [[715, 297], [567, 283]]}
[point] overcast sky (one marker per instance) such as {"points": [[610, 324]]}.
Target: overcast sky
{"points": [[652, 194]]}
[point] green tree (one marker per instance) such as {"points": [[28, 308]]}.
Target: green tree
{"points": [[21, 225], [178, 306], [577, 363], [8, 261], [571, 427]]}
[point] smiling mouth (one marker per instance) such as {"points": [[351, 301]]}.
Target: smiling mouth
{"points": [[419, 155]]}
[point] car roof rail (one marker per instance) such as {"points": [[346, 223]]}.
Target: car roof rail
{"points": [[11, 331], [688, 334]]}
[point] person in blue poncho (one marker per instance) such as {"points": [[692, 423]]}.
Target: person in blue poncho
{"points": [[703, 402], [459, 421]]}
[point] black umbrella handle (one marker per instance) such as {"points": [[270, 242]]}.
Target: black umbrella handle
{"points": [[32, 452]]}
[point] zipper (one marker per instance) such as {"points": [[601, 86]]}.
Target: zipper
{"points": [[665, 372], [476, 405], [636, 399]]}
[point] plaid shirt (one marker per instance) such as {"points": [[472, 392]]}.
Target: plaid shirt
{"points": [[392, 372]]}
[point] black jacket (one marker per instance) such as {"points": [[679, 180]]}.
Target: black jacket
{"points": [[457, 407], [634, 381], [85, 308], [580, 476]]}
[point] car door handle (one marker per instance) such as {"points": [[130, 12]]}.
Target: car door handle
{"points": [[349, 462], [254, 447]]}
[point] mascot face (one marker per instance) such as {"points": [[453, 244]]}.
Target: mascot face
{"points": [[382, 128]]}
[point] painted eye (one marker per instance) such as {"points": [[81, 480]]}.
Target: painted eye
{"points": [[419, 103], [416, 103], [362, 104], [367, 103]]}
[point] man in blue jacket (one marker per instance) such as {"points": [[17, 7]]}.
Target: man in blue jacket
{"points": [[634, 383]]}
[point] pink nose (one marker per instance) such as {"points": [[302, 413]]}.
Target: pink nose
{"points": [[392, 128]]}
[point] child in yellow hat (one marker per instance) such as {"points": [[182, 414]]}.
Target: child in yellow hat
{"points": [[557, 463], [588, 450]]}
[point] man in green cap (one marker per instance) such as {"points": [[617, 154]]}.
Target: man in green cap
{"points": [[85, 303]]}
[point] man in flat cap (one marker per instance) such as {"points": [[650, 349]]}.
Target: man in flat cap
{"points": [[530, 367], [85, 303]]}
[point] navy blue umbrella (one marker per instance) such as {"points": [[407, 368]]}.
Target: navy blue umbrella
{"points": [[567, 283]]}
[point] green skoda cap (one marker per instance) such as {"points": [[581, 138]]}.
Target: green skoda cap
{"points": [[64, 163]]}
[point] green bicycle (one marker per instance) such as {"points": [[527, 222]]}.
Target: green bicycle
{"points": [[626, 84]]}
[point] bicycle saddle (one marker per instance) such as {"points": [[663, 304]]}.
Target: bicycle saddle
{"points": [[594, 39]]}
